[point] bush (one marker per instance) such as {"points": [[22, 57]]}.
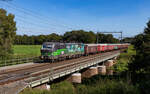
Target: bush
{"points": [[60, 88], [107, 87], [35, 91]]}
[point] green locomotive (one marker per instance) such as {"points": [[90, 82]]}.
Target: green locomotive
{"points": [[54, 51]]}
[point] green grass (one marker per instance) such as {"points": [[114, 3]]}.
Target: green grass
{"points": [[59, 88], [21, 54], [26, 50], [124, 59], [106, 86]]}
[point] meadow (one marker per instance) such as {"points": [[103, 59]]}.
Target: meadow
{"points": [[22, 54], [26, 50]]}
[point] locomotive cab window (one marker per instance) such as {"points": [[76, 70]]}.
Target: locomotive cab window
{"points": [[48, 46]]}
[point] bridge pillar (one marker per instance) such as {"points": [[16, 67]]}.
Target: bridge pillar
{"points": [[75, 78], [110, 72], [90, 72], [101, 70], [109, 63]]}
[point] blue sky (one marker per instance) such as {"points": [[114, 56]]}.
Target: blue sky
{"points": [[129, 16]]}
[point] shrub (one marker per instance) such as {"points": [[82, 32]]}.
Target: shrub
{"points": [[60, 88], [107, 87]]}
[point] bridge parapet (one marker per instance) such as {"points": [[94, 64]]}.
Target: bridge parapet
{"points": [[54, 74]]}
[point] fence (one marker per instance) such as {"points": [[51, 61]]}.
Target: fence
{"points": [[5, 62]]}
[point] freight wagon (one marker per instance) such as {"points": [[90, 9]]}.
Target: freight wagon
{"points": [[90, 49], [102, 47]]}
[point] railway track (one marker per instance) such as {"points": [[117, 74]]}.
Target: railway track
{"points": [[42, 64], [36, 70]]}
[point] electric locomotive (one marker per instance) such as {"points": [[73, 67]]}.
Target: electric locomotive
{"points": [[55, 51]]}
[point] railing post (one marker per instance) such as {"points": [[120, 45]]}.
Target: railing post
{"points": [[51, 72], [31, 82], [41, 77]]}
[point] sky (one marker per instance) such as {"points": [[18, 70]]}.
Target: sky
{"points": [[35, 17]]}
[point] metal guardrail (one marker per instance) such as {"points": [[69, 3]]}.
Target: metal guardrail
{"points": [[43, 78], [4, 63]]}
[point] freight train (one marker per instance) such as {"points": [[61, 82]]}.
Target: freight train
{"points": [[59, 51]]}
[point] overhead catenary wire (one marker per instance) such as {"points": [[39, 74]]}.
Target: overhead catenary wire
{"points": [[38, 20], [27, 30], [46, 18], [35, 15], [25, 15], [32, 24]]}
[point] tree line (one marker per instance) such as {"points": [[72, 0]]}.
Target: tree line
{"points": [[77, 36], [140, 63]]}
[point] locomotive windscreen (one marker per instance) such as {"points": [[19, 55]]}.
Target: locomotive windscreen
{"points": [[48, 46]]}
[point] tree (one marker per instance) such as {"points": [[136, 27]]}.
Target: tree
{"points": [[102, 38], [7, 32], [53, 37], [140, 64], [128, 40], [80, 36]]}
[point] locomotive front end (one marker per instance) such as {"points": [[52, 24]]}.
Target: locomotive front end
{"points": [[46, 51]]}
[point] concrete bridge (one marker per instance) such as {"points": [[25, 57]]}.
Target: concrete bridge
{"points": [[91, 63], [73, 69]]}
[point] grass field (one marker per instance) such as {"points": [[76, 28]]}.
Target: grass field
{"points": [[26, 50], [22, 54]]}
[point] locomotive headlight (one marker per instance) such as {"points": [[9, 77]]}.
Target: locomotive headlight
{"points": [[42, 57]]}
